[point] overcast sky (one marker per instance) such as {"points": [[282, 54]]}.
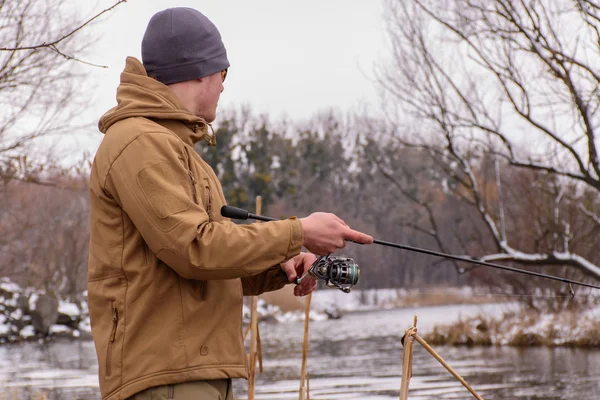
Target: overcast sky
{"points": [[287, 58]]}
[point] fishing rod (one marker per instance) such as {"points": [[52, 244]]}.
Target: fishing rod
{"points": [[343, 272]]}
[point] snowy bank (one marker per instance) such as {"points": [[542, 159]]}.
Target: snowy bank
{"points": [[27, 314], [523, 328]]}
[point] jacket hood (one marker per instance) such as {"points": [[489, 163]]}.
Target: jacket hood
{"points": [[138, 95]]}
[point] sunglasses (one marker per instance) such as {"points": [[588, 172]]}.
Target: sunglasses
{"points": [[224, 74]]}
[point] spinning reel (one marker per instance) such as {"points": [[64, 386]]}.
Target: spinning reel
{"points": [[339, 272]]}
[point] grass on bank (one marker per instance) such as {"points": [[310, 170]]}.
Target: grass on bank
{"points": [[576, 328]]}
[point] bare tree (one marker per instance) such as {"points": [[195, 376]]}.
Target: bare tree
{"points": [[44, 229], [488, 87], [39, 81]]}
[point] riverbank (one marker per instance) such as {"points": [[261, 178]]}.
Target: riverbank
{"points": [[573, 328], [31, 315], [27, 315]]}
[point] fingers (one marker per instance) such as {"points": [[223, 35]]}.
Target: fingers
{"points": [[289, 268], [326, 233], [358, 237], [297, 266], [303, 263], [308, 285]]}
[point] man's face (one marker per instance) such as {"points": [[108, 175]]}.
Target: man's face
{"points": [[208, 92]]}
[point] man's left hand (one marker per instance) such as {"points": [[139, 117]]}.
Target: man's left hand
{"points": [[298, 266]]}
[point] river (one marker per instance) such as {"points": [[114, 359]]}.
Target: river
{"points": [[356, 357]]}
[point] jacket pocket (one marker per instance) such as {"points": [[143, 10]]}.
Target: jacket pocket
{"points": [[111, 339]]}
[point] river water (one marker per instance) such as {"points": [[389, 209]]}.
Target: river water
{"points": [[356, 357]]}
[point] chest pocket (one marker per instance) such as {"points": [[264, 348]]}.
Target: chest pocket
{"points": [[201, 190]]}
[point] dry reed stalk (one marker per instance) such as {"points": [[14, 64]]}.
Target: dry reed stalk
{"points": [[302, 392], [407, 359], [254, 329], [447, 366], [253, 347], [247, 331], [41, 396], [259, 350]]}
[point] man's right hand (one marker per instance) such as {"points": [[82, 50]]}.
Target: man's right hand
{"points": [[325, 233]]}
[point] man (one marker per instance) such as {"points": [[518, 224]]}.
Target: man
{"points": [[166, 271]]}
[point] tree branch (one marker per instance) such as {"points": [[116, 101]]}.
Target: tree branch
{"points": [[53, 43], [554, 258]]}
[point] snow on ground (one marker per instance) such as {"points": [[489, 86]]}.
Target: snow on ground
{"points": [[524, 328], [85, 326], [33, 301], [69, 309], [9, 286], [272, 312], [515, 327], [17, 306], [4, 329], [27, 332]]}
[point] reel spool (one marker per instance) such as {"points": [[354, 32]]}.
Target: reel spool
{"points": [[340, 272]]}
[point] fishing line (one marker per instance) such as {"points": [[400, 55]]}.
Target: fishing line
{"points": [[343, 272]]}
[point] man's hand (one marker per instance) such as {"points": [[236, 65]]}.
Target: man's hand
{"points": [[325, 233], [297, 266]]}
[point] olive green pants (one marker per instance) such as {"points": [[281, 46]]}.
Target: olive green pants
{"points": [[198, 390]]}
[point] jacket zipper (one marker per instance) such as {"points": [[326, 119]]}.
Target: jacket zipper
{"points": [[207, 198], [148, 254], [193, 180], [206, 189], [115, 318]]}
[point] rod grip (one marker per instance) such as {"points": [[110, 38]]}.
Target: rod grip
{"points": [[234, 212]]}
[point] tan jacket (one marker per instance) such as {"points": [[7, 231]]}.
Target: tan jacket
{"points": [[164, 287]]}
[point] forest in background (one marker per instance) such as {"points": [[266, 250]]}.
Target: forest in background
{"points": [[329, 165], [487, 145]]}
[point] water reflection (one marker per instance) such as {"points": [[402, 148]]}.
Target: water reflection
{"points": [[357, 357], [371, 370]]}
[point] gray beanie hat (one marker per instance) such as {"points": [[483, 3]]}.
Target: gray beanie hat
{"points": [[181, 44]]}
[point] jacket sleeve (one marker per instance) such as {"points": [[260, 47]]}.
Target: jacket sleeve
{"points": [[151, 181], [270, 280]]}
